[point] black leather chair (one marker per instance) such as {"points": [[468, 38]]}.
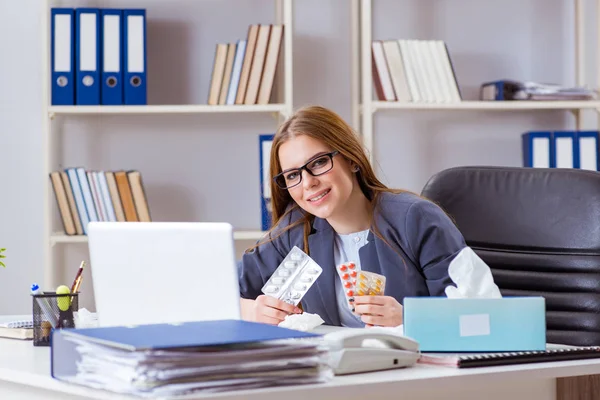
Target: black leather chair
{"points": [[539, 231]]}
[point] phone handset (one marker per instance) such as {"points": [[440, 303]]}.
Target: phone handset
{"points": [[364, 350]]}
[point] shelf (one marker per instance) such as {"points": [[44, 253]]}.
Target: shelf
{"points": [[59, 237], [166, 109], [487, 105]]}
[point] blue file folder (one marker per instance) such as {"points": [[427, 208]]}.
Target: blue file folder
{"points": [[565, 152], [587, 152], [538, 150], [218, 334], [62, 54], [134, 57], [184, 335], [87, 90], [112, 57], [265, 142]]}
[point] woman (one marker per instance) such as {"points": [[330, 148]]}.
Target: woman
{"points": [[327, 201]]}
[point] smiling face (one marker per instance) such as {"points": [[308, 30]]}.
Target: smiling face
{"points": [[326, 195]]}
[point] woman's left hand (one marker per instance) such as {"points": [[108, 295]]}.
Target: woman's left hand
{"points": [[378, 310]]}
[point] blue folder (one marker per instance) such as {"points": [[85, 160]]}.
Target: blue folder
{"points": [[184, 335], [587, 151], [112, 57], [265, 190], [134, 57], [87, 65], [62, 54], [538, 150]]}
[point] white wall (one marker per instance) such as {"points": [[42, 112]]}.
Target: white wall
{"points": [[204, 167]]}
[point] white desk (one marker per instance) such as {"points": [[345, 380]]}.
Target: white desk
{"points": [[25, 374]]}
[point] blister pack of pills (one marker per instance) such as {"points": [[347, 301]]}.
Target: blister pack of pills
{"points": [[347, 273], [359, 283], [293, 277], [369, 284]]}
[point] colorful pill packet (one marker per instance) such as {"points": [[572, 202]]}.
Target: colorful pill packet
{"points": [[369, 284], [293, 277], [347, 273]]}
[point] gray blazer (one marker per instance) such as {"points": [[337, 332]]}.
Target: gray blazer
{"points": [[422, 241]]}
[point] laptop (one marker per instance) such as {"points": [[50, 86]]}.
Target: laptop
{"points": [[163, 272]]}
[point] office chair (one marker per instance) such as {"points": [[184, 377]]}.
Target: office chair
{"points": [[539, 231]]}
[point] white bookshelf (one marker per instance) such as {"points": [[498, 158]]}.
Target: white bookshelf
{"points": [[54, 238], [61, 238], [281, 109], [365, 107]]}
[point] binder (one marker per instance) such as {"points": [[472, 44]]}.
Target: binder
{"points": [[265, 143], [112, 60], [564, 149], [498, 90], [134, 57], [229, 332], [87, 69], [587, 154], [62, 54], [538, 150]]}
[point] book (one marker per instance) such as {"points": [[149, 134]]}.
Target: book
{"points": [[553, 352]]}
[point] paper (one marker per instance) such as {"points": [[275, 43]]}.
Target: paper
{"points": [[85, 319], [302, 322], [151, 373], [472, 277]]}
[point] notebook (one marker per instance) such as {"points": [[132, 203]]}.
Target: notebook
{"points": [[16, 327], [553, 352]]}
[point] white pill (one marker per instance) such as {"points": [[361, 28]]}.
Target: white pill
{"points": [[300, 286], [307, 279], [283, 272], [271, 289], [290, 264], [278, 281], [296, 256]]}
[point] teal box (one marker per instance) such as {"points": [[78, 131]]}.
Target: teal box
{"points": [[440, 324]]}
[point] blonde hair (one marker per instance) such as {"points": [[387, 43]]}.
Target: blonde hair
{"points": [[328, 127]]}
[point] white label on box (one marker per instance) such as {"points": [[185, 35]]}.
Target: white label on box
{"points": [[474, 325]]}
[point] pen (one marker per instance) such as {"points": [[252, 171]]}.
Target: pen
{"points": [[77, 281]]}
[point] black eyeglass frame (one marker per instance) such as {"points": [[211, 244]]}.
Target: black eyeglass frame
{"points": [[305, 168]]}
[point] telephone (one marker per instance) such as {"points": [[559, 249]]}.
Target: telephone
{"points": [[357, 350]]}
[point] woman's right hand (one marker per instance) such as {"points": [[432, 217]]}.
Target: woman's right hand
{"points": [[269, 310]]}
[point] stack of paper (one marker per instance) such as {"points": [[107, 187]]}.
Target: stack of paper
{"points": [[200, 356], [546, 91]]}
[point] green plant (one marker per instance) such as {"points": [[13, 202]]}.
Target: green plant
{"points": [[2, 256]]}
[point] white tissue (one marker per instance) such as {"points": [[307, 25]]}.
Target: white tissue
{"points": [[472, 277], [302, 322], [85, 319]]}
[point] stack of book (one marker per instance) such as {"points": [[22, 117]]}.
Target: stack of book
{"points": [[179, 359], [244, 72], [86, 196], [417, 71]]}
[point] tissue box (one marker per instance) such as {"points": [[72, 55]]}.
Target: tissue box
{"points": [[440, 324]]}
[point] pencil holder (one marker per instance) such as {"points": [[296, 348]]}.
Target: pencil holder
{"points": [[52, 311]]}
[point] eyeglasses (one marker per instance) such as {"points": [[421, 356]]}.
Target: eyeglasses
{"points": [[317, 166]]}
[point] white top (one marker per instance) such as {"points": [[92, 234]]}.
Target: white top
{"points": [[346, 250]]}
